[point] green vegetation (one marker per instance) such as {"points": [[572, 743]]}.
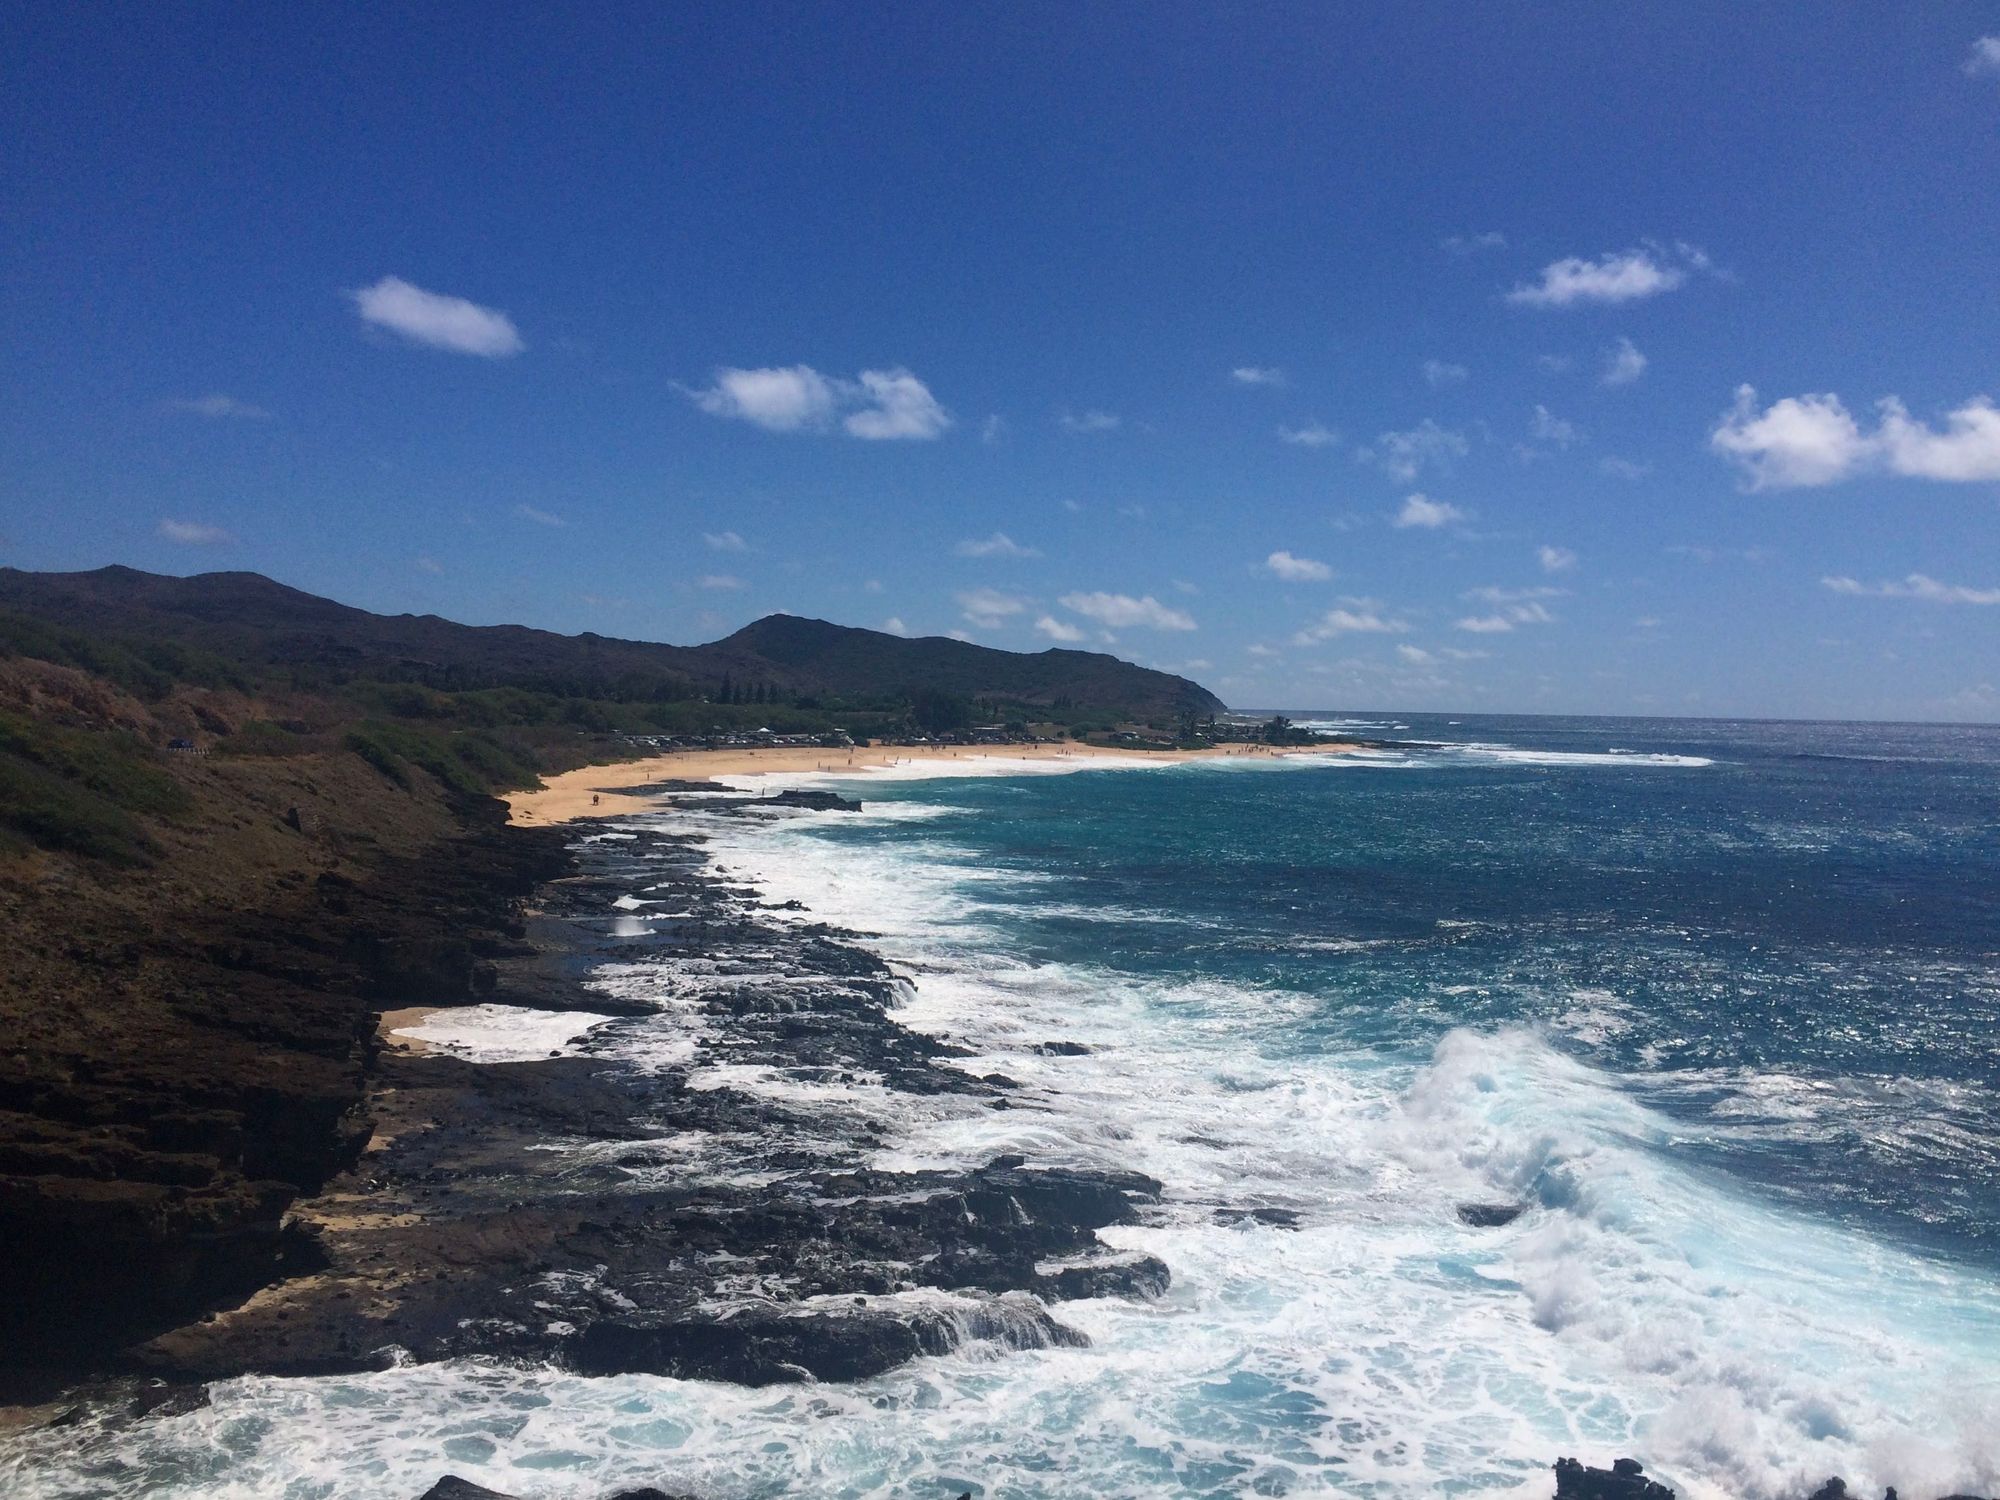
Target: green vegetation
{"points": [[81, 792]]}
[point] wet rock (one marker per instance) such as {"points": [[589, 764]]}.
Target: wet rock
{"points": [[750, 1350], [1490, 1215], [1624, 1480], [451, 1487], [1062, 1049]]}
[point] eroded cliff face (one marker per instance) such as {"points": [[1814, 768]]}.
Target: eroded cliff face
{"points": [[183, 1046]]}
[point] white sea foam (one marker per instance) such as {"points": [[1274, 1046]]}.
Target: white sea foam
{"points": [[502, 1033]]}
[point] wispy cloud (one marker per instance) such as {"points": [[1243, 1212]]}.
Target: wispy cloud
{"points": [[878, 405], [989, 608], [725, 541], [719, 581], [1091, 421], [193, 533], [1915, 586], [1621, 468], [1620, 276], [1472, 244], [1984, 59], [436, 320], [1257, 375], [1058, 630], [429, 565], [896, 405], [1426, 514], [993, 429], [1515, 607], [1623, 364], [528, 512], [1122, 611], [1297, 569], [1311, 435], [219, 406], [894, 626], [1350, 617], [997, 545], [1438, 373], [1404, 455], [1802, 442], [1555, 559], [1545, 426]]}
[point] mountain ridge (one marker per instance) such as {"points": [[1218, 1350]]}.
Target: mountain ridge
{"points": [[249, 616]]}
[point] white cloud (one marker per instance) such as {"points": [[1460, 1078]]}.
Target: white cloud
{"points": [[1805, 441], [1312, 435], [1547, 427], [1623, 363], [1416, 656], [434, 319], [1403, 455], [1350, 617], [1798, 442], [1057, 630], [1555, 364], [1492, 594], [1967, 450], [1984, 58], [898, 405], [881, 404], [1091, 421], [1074, 507], [1486, 624], [1555, 559], [194, 533], [1621, 276], [779, 399], [1297, 569], [528, 512], [997, 545], [1122, 611], [989, 608], [895, 626], [1259, 649], [725, 541], [1472, 244], [1915, 586], [1257, 375], [429, 565], [993, 429], [872, 586], [960, 635], [1427, 514], [1437, 373], [219, 405], [1621, 468], [719, 581]]}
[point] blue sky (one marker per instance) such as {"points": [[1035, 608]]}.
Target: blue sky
{"points": [[1508, 357]]}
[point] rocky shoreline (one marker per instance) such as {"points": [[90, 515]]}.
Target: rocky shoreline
{"points": [[606, 1214]]}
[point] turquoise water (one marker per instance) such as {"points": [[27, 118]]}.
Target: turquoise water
{"points": [[1714, 1001]]}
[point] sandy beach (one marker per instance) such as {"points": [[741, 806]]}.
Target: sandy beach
{"points": [[587, 791]]}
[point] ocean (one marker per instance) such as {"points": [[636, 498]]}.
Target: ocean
{"points": [[1713, 1003]]}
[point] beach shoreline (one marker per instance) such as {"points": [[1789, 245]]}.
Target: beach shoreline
{"points": [[602, 790]]}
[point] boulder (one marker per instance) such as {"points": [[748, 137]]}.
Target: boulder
{"points": [[1624, 1480]]}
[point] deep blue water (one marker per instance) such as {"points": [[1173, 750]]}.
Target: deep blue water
{"points": [[1793, 950]]}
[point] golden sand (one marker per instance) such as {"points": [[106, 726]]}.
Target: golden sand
{"points": [[584, 793]]}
